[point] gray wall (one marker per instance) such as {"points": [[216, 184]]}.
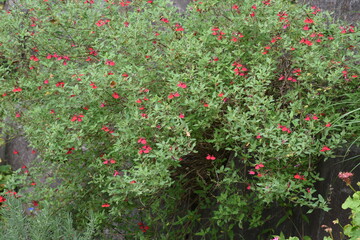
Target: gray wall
{"points": [[348, 10], [332, 188]]}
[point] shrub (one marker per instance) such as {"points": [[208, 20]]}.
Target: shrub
{"points": [[149, 116], [5, 173], [39, 224]]}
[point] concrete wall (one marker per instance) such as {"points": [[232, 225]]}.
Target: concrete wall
{"points": [[348, 10], [332, 188]]}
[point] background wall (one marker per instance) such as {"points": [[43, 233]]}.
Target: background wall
{"points": [[332, 188], [348, 10]]}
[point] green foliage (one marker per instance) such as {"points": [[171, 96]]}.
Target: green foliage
{"points": [[5, 173], [146, 115], [40, 224], [352, 230]]}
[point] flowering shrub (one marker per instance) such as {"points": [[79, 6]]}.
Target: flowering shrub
{"points": [[146, 115], [5, 172]]}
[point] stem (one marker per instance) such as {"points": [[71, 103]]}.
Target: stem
{"points": [[349, 185]]}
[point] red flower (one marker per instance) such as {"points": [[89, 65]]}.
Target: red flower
{"points": [[132, 182], [328, 125], [105, 205], [125, 3], [284, 129], [291, 79], [60, 84], [308, 20], [11, 192], [93, 85], [306, 41], [181, 115], [300, 177], [115, 95], [145, 149], [15, 152], [142, 141], [100, 23], [2, 199], [77, 118], [143, 227], [324, 149], [165, 20], [109, 62], [258, 166], [345, 176], [17, 89], [182, 85], [34, 58], [171, 96], [210, 157], [105, 128], [70, 150]]}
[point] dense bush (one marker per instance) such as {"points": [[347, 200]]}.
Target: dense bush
{"points": [[39, 225], [166, 124]]}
